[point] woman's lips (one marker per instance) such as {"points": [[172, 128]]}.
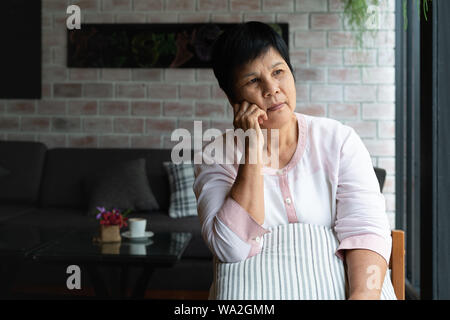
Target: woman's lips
{"points": [[278, 107]]}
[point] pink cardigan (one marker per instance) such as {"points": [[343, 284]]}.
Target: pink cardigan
{"points": [[329, 181]]}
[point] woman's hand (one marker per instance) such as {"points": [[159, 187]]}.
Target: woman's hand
{"points": [[250, 116]]}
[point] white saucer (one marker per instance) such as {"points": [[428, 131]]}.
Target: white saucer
{"points": [[147, 235]]}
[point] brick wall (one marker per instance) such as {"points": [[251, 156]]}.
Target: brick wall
{"points": [[140, 107]]}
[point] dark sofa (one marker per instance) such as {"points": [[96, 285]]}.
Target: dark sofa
{"points": [[45, 190]]}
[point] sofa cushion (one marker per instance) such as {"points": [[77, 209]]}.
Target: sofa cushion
{"points": [[57, 218], [67, 168], [183, 202], [3, 172], [9, 211], [123, 186], [25, 161]]}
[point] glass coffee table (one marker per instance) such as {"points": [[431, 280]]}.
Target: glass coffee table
{"points": [[17, 243], [162, 250]]}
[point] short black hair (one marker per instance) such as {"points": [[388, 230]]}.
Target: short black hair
{"points": [[241, 44]]}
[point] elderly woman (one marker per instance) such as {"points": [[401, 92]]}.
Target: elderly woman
{"points": [[323, 176]]}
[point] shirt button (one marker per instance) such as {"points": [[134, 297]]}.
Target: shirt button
{"points": [[288, 200], [258, 239]]}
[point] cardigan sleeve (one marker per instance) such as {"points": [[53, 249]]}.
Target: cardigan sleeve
{"points": [[228, 229], [361, 220]]}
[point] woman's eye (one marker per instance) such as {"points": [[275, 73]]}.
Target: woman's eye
{"points": [[253, 80], [278, 71]]}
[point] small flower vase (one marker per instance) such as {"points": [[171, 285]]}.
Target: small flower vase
{"points": [[110, 233]]}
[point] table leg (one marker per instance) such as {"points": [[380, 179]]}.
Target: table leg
{"points": [[142, 282], [97, 281]]}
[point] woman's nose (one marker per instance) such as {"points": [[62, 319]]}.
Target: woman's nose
{"points": [[270, 88]]}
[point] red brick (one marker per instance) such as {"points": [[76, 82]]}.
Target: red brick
{"points": [[222, 125], [244, 5], [54, 5], [217, 92], [386, 93], [180, 5], [386, 129], [67, 90], [51, 107], [116, 74], [66, 124], [262, 17], [206, 75], [82, 107], [378, 111], [53, 140], [380, 147], [46, 90], [317, 110], [278, 5], [330, 93], [98, 18], [114, 108], [87, 5], [198, 17], [179, 75], [388, 164], [344, 75], [311, 5], [298, 58], [365, 129], [360, 57], [131, 17], [116, 5], [302, 92], [98, 125], [212, 5], [360, 93], [341, 39], [336, 5], [310, 39], [9, 123], [159, 126], [21, 107], [98, 90], [227, 18], [209, 109], [147, 5], [146, 142], [146, 74], [325, 21], [194, 91], [35, 124], [162, 17], [20, 137], [326, 57], [378, 75], [83, 74], [386, 57], [146, 108], [135, 90], [178, 108], [128, 125], [82, 141], [114, 142], [56, 73], [343, 110], [310, 74], [163, 91], [295, 20]]}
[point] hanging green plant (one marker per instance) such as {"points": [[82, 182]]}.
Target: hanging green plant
{"points": [[362, 15]]}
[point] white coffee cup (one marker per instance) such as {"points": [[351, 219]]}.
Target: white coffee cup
{"points": [[137, 227], [138, 249]]}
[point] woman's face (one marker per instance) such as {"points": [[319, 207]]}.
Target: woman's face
{"points": [[267, 81]]}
